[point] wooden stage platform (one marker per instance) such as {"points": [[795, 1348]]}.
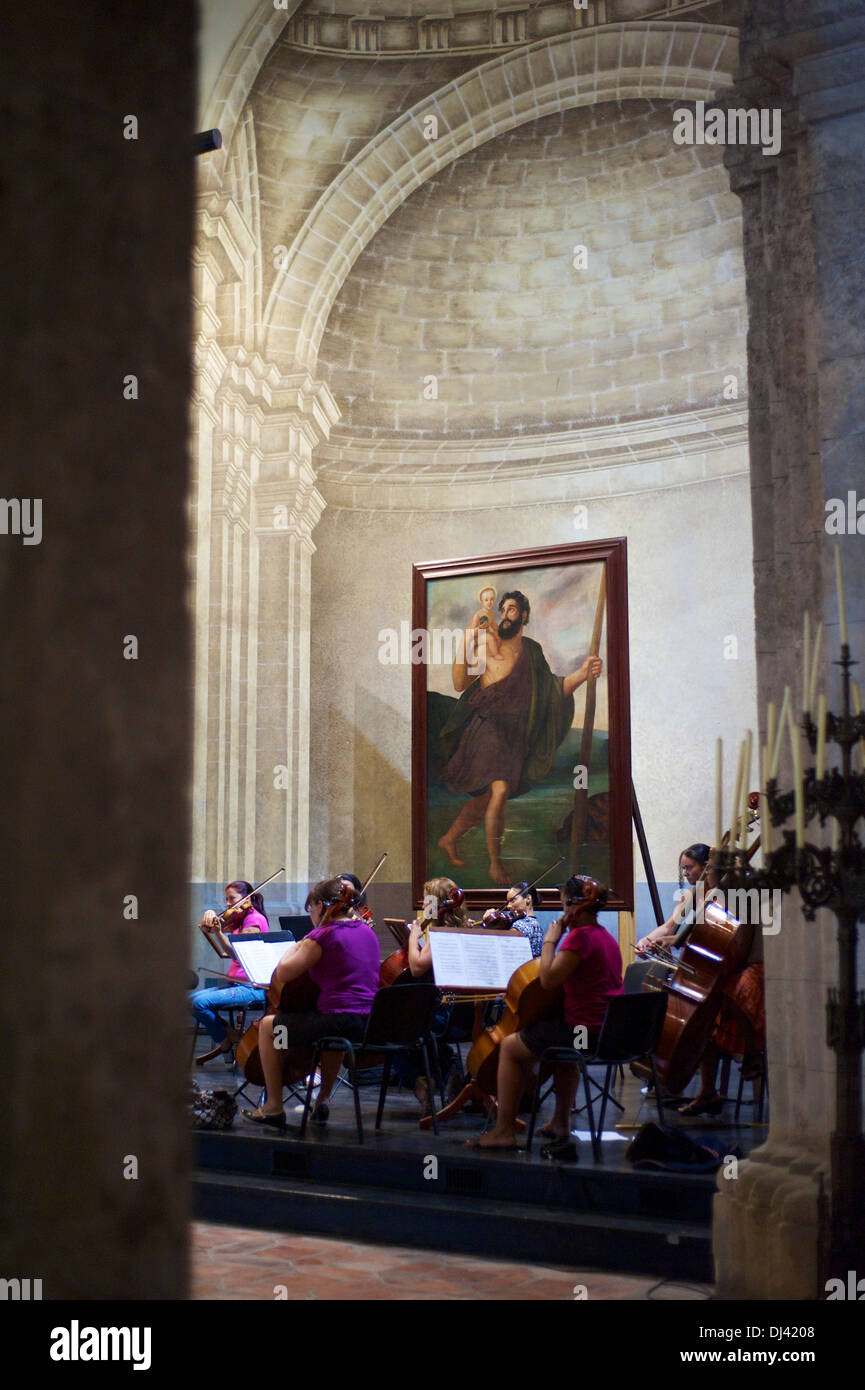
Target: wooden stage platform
{"points": [[409, 1187]]}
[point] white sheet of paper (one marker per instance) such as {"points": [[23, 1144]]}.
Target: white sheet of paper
{"points": [[476, 959], [260, 958]]}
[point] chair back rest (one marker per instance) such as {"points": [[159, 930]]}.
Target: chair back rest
{"points": [[635, 974], [401, 1014], [632, 1025]]}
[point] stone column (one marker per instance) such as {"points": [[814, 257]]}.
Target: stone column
{"points": [[97, 207], [286, 510], [804, 243]]}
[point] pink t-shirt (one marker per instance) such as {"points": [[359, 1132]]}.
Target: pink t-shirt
{"points": [[348, 971], [259, 922], [596, 979]]}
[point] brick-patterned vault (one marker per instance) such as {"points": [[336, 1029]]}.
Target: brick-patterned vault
{"points": [[578, 269]]}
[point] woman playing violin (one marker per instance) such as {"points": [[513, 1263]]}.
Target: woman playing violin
{"points": [[442, 906], [249, 918], [341, 956], [588, 965], [522, 899]]}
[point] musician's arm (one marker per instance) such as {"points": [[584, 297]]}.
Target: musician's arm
{"points": [[419, 957], [556, 967], [296, 961], [666, 933]]}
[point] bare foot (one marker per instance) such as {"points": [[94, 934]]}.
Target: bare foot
{"points": [[497, 871], [449, 846], [494, 1140]]}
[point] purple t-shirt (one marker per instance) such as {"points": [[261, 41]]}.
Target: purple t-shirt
{"points": [[348, 971], [596, 978]]}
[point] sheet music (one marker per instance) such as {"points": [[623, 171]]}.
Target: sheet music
{"points": [[260, 958], [480, 959]]}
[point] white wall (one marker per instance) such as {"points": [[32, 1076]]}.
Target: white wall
{"points": [[690, 589]]}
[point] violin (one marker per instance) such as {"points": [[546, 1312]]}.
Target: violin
{"points": [[234, 915]]}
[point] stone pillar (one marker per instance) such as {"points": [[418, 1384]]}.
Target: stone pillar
{"points": [[804, 244], [97, 195], [286, 510]]}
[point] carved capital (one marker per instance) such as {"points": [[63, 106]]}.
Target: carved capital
{"points": [[288, 507]]}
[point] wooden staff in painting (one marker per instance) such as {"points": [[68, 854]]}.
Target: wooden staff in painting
{"points": [[581, 794]]}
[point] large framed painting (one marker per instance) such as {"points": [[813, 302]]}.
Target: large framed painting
{"points": [[521, 721]]}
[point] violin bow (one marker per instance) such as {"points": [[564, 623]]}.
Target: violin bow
{"points": [[252, 891], [536, 881], [369, 878]]}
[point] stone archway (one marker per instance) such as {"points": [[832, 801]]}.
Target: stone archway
{"points": [[617, 62]]}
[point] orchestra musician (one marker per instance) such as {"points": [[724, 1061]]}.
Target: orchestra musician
{"points": [[740, 1028], [522, 899], [580, 955], [692, 862], [239, 992], [341, 955], [442, 906]]}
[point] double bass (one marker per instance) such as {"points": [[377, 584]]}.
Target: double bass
{"points": [[713, 949], [297, 996]]}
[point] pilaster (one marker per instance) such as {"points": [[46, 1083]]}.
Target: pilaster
{"points": [[804, 247]]}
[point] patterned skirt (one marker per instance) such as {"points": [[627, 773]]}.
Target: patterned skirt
{"points": [[740, 1028]]}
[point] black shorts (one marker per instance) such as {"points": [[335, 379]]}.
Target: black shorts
{"points": [[554, 1032], [303, 1029]]}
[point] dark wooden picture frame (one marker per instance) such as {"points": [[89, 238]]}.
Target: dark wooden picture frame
{"points": [[610, 853]]}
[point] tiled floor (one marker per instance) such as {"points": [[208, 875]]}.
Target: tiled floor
{"points": [[229, 1262]]}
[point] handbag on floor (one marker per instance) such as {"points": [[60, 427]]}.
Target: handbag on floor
{"points": [[212, 1109]]}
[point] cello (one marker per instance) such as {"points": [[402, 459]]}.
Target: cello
{"points": [[297, 996], [713, 949], [526, 1002]]}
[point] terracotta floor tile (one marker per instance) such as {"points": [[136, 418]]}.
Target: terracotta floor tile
{"points": [[233, 1265]]}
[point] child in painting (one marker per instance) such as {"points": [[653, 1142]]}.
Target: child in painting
{"points": [[484, 621]]}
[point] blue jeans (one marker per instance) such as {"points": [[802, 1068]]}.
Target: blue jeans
{"points": [[204, 1002]]}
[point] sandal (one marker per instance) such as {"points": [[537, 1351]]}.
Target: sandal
{"points": [[258, 1117], [713, 1105]]}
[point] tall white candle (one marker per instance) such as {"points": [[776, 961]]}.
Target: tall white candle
{"points": [[821, 737], [815, 663], [806, 665], [770, 731], [766, 822], [719, 776], [842, 605], [746, 781], [796, 746], [734, 806], [782, 724]]}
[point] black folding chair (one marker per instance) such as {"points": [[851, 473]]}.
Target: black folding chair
{"points": [[401, 1020], [631, 1029]]}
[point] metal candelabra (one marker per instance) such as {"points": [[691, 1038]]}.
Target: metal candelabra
{"points": [[833, 878]]}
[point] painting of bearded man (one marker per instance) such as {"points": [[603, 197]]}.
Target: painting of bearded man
{"points": [[506, 726]]}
